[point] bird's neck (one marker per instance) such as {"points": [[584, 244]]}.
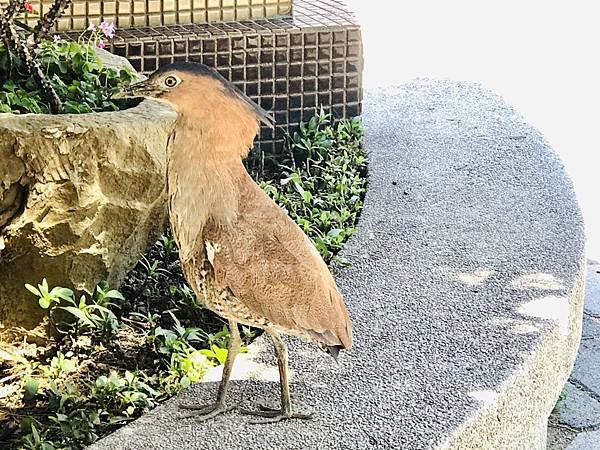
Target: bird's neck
{"points": [[204, 184]]}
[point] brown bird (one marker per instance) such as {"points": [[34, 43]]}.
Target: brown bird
{"points": [[240, 252]]}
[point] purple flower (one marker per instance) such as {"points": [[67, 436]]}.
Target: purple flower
{"points": [[56, 37], [91, 26], [101, 44], [108, 29]]}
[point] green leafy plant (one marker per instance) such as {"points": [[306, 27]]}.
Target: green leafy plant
{"points": [[60, 365], [83, 314], [39, 74], [47, 297], [321, 182], [191, 365], [91, 316], [177, 340], [36, 441], [77, 74], [126, 393], [215, 353]]}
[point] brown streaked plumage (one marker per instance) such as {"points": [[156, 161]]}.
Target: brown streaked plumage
{"points": [[240, 252]]}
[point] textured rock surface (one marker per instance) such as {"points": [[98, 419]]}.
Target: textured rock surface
{"points": [[111, 60], [81, 197], [465, 288]]}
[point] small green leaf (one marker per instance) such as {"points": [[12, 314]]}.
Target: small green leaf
{"points": [[32, 289], [114, 294], [44, 302], [220, 353], [31, 388], [185, 382], [80, 315]]}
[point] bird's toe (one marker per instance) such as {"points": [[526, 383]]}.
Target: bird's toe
{"points": [[268, 414], [205, 412]]}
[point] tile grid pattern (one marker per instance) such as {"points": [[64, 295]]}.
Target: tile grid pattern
{"points": [[141, 13], [290, 66]]}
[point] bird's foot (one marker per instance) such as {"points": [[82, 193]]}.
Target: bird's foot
{"points": [[205, 412], [273, 415]]}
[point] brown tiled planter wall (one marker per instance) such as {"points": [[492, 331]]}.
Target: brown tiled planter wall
{"points": [[139, 13], [289, 65]]}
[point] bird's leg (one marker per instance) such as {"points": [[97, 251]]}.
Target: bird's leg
{"points": [[271, 415], [204, 412]]}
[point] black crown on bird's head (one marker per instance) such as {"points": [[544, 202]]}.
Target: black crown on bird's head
{"points": [[165, 79]]}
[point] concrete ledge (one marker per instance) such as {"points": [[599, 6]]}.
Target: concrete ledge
{"points": [[465, 290]]}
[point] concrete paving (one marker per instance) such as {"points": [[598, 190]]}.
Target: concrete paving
{"points": [[592, 295], [581, 409], [590, 440], [463, 289]]}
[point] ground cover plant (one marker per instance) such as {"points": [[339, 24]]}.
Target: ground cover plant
{"points": [[120, 353]]}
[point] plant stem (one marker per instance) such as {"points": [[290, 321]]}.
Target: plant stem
{"points": [[48, 21], [9, 12], [34, 68]]}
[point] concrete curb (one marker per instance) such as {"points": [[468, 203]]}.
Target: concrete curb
{"points": [[466, 291]]}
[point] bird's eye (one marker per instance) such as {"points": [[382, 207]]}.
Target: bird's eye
{"points": [[171, 81]]}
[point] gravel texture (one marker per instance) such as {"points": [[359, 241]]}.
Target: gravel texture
{"points": [[464, 289]]}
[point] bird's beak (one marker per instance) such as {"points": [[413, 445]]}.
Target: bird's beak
{"points": [[141, 89]]}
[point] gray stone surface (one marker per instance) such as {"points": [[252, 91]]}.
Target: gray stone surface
{"points": [[465, 290], [587, 365], [591, 327], [592, 290], [579, 409], [586, 441]]}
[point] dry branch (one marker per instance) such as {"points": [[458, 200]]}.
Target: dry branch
{"points": [[47, 22]]}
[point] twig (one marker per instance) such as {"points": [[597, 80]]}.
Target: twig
{"points": [[23, 25], [9, 12], [49, 19], [10, 377]]}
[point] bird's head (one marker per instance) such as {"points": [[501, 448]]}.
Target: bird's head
{"points": [[193, 87]]}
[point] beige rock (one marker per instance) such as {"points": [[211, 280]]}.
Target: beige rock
{"points": [[81, 199], [117, 62]]}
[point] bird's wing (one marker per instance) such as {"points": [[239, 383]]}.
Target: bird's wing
{"points": [[273, 268]]}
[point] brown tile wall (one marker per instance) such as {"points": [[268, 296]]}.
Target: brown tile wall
{"points": [[141, 13], [290, 66]]}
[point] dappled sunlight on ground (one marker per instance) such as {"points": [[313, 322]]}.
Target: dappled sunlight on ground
{"points": [[486, 397], [543, 281], [553, 308]]}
